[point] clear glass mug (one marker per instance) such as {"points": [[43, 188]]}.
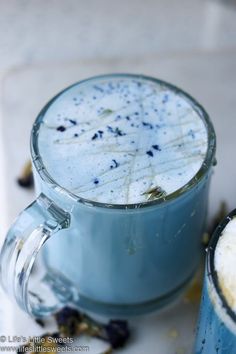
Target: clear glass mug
{"points": [[216, 330], [117, 260]]}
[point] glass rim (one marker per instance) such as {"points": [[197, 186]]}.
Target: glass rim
{"points": [[207, 162], [210, 264]]}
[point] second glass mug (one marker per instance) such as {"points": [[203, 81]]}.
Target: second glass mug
{"points": [[116, 260], [216, 329]]}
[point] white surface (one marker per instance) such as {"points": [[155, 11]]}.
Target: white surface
{"points": [[45, 46]]}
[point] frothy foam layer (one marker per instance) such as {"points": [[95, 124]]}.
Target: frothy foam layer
{"points": [[122, 140], [225, 263]]}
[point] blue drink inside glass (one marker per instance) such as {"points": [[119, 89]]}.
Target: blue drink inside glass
{"points": [[216, 332]]}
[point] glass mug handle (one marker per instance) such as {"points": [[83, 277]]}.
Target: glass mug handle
{"points": [[34, 226]]}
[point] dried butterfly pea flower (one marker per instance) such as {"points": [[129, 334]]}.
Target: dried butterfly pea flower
{"points": [[25, 179], [71, 323], [68, 320], [116, 332]]}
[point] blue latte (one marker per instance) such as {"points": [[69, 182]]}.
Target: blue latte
{"points": [[122, 140], [137, 156]]}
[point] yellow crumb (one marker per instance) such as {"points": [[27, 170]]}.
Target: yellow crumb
{"points": [[193, 293], [173, 333]]}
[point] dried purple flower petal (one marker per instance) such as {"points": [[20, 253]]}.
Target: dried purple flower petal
{"points": [[61, 128], [67, 320], [117, 333]]}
